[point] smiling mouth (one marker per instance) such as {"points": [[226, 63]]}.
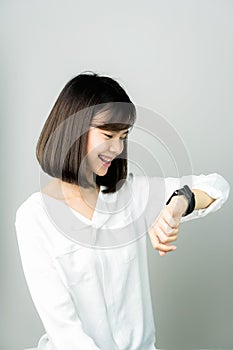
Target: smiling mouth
{"points": [[105, 159]]}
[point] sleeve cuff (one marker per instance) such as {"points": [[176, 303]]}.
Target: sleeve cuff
{"points": [[216, 187]]}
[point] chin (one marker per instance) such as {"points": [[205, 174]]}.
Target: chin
{"points": [[101, 172]]}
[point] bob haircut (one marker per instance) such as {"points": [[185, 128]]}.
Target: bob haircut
{"points": [[86, 100]]}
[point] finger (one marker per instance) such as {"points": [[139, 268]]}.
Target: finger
{"points": [[170, 231], [171, 239], [164, 237], [162, 253], [158, 245], [157, 236], [161, 234], [165, 248]]}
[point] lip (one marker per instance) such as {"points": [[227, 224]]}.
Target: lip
{"points": [[108, 158], [105, 164]]}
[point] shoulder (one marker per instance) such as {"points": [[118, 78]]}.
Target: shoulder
{"points": [[42, 220], [30, 209], [145, 190], [53, 189], [142, 185], [142, 180]]}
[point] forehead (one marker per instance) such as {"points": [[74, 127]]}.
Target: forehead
{"points": [[99, 129], [108, 120]]}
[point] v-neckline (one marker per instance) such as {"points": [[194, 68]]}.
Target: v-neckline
{"points": [[76, 212]]}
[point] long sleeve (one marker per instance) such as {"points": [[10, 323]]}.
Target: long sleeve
{"points": [[213, 184], [151, 194], [50, 296]]}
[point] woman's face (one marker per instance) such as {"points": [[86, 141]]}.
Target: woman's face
{"points": [[102, 147]]}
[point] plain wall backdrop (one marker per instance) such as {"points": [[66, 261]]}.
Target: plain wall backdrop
{"points": [[172, 56]]}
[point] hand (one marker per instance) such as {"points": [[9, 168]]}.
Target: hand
{"points": [[165, 229]]}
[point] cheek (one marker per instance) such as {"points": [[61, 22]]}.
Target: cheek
{"points": [[91, 142], [89, 145], [95, 145]]}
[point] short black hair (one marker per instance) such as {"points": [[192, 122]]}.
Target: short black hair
{"points": [[60, 151]]}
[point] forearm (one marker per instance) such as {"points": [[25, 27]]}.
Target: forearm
{"points": [[202, 199]]}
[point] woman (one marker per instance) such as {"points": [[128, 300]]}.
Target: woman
{"points": [[82, 238]]}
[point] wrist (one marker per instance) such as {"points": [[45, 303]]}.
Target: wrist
{"points": [[188, 194], [183, 203], [186, 203]]}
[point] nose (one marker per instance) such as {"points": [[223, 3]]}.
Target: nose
{"points": [[116, 146]]}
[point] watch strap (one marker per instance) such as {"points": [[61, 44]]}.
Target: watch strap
{"points": [[186, 191]]}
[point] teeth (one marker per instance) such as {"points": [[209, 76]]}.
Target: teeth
{"points": [[105, 159]]}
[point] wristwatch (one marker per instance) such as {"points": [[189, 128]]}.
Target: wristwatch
{"points": [[189, 195]]}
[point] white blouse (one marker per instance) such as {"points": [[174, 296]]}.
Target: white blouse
{"points": [[88, 278]]}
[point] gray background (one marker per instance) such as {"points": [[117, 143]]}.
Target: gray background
{"points": [[173, 57]]}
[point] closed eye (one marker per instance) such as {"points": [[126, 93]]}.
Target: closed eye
{"points": [[110, 136]]}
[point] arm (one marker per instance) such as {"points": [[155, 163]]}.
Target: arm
{"points": [[50, 296], [211, 191], [202, 199]]}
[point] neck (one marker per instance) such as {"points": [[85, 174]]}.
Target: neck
{"points": [[71, 191]]}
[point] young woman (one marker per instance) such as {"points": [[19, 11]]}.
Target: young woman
{"points": [[82, 237]]}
